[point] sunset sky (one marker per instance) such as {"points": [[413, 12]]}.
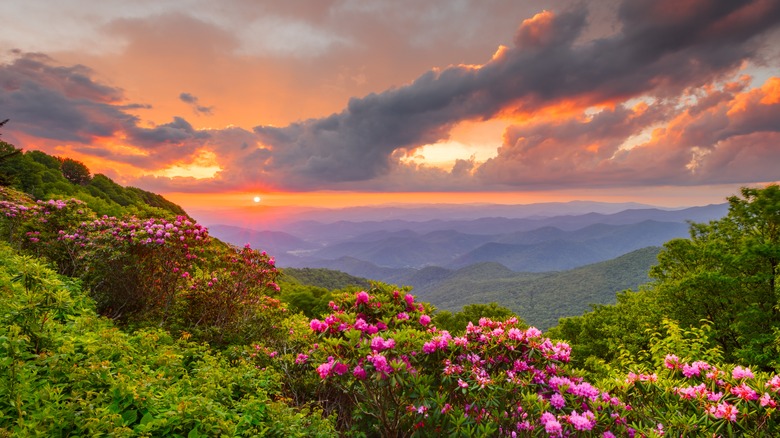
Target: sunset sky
{"points": [[339, 102]]}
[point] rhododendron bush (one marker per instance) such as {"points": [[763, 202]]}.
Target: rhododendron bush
{"points": [[387, 371], [166, 271], [375, 363]]}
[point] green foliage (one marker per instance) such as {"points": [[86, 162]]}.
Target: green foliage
{"points": [[325, 278], [727, 273], [66, 372], [46, 177], [608, 331], [75, 171], [541, 299]]}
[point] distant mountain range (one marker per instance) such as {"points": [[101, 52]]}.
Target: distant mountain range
{"points": [[543, 267], [521, 244]]}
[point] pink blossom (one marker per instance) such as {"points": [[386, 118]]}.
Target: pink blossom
{"points": [[359, 373], [340, 368], [584, 421], [425, 320], [774, 383], [301, 359], [532, 332], [324, 369], [318, 326], [744, 392], [766, 400], [361, 298], [671, 361], [557, 401], [724, 410], [429, 347], [403, 316], [741, 373]]}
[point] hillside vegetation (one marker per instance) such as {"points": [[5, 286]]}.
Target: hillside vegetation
{"points": [[148, 326]]}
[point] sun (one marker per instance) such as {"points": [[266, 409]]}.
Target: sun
{"points": [[256, 199]]}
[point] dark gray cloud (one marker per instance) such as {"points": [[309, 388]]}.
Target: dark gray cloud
{"points": [[663, 48], [195, 104], [61, 103]]}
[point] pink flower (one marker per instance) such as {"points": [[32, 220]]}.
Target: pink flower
{"points": [[340, 368], [557, 401], [425, 320], [671, 361], [584, 421], [429, 347], [553, 427], [741, 373], [409, 298], [301, 359], [361, 298], [774, 383], [766, 400], [359, 373], [462, 384], [515, 334], [318, 326], [724, 410], [378, 344], [532, 332], [324, 369], [403, 316], [744, 392]]}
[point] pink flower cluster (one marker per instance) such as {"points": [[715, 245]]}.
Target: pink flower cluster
{"points": [[721, 398]]}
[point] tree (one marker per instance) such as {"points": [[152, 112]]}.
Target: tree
{"points": [[75, 171], [726, 273]]}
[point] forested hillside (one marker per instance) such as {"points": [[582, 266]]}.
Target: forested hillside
{"points": [[142, 324]]}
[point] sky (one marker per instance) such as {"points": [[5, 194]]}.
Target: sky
{"points": [[355, 102]]}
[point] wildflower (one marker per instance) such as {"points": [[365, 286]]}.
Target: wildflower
{"points": [[741, 373], [724, 410], [361, 298], [359, 373], [744, 392], [557, 401], [425, 320], [301, 359], [766, 400], [774, 383], [403, 316]]}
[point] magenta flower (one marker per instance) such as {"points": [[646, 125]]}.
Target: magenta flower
{"points": [[361, 298], [557, 401], [744, 392], [724, 410], [301, 359], [425, 320], [741, 373], [403, 316], [359, 373], [766, 400]]}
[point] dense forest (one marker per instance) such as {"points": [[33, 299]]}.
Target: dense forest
{"points": [[121, 316]]}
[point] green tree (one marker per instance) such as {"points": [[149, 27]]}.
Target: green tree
{"points": [[75, 171], [726, 273]]}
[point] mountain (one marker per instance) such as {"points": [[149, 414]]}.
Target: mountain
{"points": [[539, 298], [282, 246]]}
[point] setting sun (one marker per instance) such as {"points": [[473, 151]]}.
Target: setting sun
{"points": [[256, 199]]}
